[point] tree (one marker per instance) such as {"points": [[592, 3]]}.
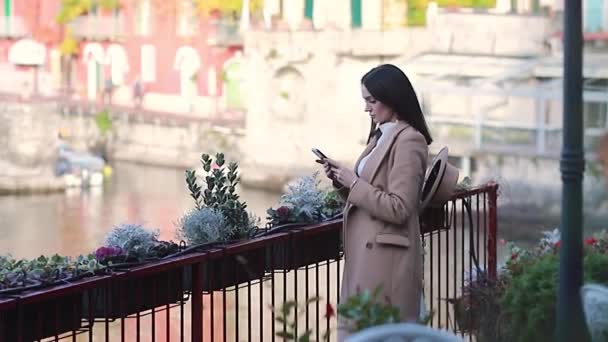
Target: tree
{"points": [[205, 7]]}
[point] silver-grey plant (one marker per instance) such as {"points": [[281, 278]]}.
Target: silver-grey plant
{"points": [[134, 239], [204, 225], [305, 198]]}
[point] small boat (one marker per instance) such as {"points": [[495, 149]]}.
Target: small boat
{"points": [[80, 169]]}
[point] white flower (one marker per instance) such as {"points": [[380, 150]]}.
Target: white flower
{"points": [[547, 243]]}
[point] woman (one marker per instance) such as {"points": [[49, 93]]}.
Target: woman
{"points": [[382, 244]]}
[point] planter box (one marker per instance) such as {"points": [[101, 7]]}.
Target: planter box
{"points": [[43, 319], [123, 297], [228, 266], [305, 247], [233, 269], [433, 220]]}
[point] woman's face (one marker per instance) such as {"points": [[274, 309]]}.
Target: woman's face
{"points": [[378, 111]]}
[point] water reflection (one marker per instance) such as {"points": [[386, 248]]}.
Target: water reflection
{"points": [[75, 222]]}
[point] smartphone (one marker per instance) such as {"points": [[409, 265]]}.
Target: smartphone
{"points": [[318, 153]]}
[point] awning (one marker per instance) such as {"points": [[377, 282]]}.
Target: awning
{"points": [[27, 52]]}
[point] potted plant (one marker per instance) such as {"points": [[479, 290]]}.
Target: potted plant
{"points": [[127, 246], [20, 277], [365, 309], [304, 204], [220, 218]]}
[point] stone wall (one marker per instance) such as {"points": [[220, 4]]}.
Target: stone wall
{"points": [[28, 136]]}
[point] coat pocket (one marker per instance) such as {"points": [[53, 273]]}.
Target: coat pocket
{"points": [[393, 239]]}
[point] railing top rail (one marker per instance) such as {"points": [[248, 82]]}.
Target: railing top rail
{"points": [[485, 188]]}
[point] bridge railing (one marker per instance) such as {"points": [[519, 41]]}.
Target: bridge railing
{"points": [[231, 293]]}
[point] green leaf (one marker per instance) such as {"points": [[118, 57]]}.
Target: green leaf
{"points": [[285, 334], [306, 336], [313, 300], [287, 307]]}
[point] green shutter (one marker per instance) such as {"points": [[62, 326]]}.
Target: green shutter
{"points": [[355, 13], [308, 9], [8, 10]]}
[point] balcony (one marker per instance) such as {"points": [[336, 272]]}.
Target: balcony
{"points": [[226, 292], [12, 27], [96, 27], [223, 32]]}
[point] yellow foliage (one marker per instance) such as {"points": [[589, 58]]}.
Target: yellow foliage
{"points": [[205, 7], [72, 9], [69, 45]]}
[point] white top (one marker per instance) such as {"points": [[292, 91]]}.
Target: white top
{"points": [[385, 128]]}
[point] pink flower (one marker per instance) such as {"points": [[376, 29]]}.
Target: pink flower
{"points": [[214, 166], [104, 252]]}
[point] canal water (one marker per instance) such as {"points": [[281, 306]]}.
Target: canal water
{"points": [[75, 222]]}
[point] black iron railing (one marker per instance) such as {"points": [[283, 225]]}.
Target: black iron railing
{"points": [[227, 293]]}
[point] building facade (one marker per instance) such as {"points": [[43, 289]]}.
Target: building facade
{"points": [[189, 62], [174, 51]]}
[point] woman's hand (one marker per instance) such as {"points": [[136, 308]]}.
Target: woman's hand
{"points": [[327, 168], [340, 174]]}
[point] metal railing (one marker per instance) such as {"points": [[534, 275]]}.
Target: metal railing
{"points": [[226, 293], [495, 128], [463, 247]]}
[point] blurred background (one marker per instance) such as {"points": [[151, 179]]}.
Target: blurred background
{"points": [[105, 103]]}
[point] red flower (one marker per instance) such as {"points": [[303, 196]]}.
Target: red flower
{"points": [[557, 244], [514, 256], [590, 241], [329, 311]]}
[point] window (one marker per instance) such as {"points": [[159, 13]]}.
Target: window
{"points": [[187, 18], [148, 63], [144, 18]]}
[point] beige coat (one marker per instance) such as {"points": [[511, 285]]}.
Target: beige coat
{"points": [[381, 230]]}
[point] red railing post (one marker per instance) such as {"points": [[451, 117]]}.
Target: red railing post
{"points": [[493, 229], [197, 303]]}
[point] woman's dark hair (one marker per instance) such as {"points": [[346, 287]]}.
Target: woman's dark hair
{"points": [[389, 85]]}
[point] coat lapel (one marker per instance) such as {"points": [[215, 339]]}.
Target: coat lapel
{"points": [[375, 160]]}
